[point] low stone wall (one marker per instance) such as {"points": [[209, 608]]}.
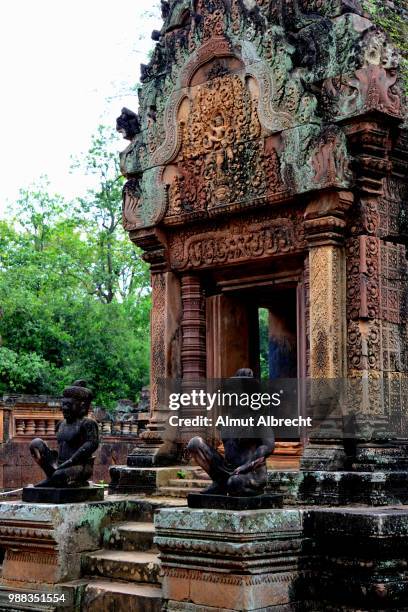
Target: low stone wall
{"points": [[17, 468]]}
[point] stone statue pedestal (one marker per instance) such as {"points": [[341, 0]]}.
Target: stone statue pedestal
{"points": [[52, 495], [229, 502], [227, 560]]}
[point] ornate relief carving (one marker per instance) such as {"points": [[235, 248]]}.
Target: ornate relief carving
{"points": [[27, 533], [140, 209], [363, 345], [372, 86], [394, 208], [222, 158], [365, 218], [393, 271], [235, 242], [157, 335], [363, 280], [391, 348], [131, 199], [326, 311], [228, 579], [330, 161]]}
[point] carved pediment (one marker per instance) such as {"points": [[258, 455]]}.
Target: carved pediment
{"points": [[241, 102]]}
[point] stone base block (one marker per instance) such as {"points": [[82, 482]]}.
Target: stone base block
{"points": [[149, 453], [319, 456], [323, 488], [48, 495], [125, 479], [286, 483], [229, 560], [229, 592], [44, 543], [374, 458], [228, 502]]}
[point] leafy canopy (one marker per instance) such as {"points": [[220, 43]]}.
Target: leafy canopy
{"points": [[74, 292]]}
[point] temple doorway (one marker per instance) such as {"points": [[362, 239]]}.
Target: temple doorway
{"points": [[260, 326]]}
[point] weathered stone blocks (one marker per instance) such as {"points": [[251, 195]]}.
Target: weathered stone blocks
{"points": [[44, 543], [358, 559], [225, 560]]}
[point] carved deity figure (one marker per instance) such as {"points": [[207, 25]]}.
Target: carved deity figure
{"points": [[242, 470], [218, 139], [78, 439]]}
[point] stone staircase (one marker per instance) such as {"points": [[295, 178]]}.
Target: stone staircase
{"points": [[124, 576], [195, 482]]}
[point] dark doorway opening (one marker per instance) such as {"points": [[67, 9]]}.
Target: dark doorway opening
{"points": [[278, 354]]}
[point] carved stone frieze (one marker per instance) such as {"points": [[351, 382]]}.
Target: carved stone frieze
{"points": [[235, 242]]}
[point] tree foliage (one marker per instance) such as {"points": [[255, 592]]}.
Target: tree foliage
{"points": [[74, 293]]}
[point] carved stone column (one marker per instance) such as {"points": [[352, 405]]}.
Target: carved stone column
{"points": [[165, 335], [193, 353], [325, 225]]}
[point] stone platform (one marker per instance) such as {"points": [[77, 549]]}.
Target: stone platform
{"points": [[348, 559], [358, 559]]}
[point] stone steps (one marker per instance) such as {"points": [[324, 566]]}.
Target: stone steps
{"points": [[128, 565], [180, 487], [109, 595], [188, 482], [132, 536], [181, 492]]}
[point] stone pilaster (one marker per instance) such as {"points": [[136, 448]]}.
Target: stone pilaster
{"points": [[325, 227], [164, 364], [165, 333], [376, 294]]}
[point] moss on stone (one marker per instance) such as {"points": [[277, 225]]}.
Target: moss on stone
{"points": [[393, 18]]}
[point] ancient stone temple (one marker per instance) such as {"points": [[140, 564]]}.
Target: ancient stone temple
{"points": [[266, 187], [266, 170]]}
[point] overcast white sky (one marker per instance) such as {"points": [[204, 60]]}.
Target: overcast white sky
{"points": [[66, 66]]}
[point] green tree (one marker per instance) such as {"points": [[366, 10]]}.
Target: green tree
{"points": [[74, 292]]}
